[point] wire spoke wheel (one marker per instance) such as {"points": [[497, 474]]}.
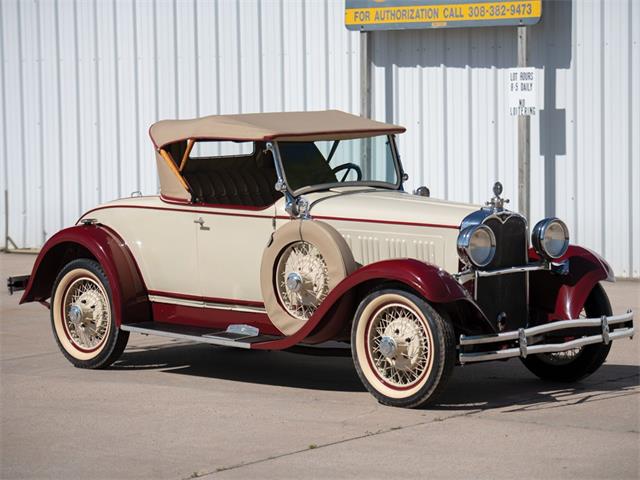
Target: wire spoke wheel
{"points": [[302, 279], [566, 357], [86, 313], [82, 316], [403, 350], [398, 345]]}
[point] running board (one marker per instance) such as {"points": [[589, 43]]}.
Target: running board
{"points": [[239, 336]]}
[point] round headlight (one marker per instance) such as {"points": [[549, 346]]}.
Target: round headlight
{"points": [[550, 238], [477, 244]]}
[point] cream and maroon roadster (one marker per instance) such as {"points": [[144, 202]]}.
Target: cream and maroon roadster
{"points": [[282, 230]]}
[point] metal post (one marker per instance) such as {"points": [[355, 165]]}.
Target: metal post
{"points": [[365, 74], [365, 96], [6, 220], [524, 136]]}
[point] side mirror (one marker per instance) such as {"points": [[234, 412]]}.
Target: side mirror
{"points": [[422, 191]]}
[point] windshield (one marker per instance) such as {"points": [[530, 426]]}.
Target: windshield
{"points": [[325, 164]]}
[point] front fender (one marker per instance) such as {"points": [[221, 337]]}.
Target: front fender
{"points": [[562, 297], [429, 281], [128, 291]]}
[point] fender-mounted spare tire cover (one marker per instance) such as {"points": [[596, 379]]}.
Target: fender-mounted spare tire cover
{"points": [[330, 253]]}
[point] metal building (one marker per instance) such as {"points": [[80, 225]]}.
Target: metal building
{"points": [[81, 82]]}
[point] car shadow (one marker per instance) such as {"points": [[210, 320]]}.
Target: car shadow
{"points": [[510, 384], [481, 386], [252, 366]]}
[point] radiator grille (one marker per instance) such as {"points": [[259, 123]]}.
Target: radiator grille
{"points": [[506, 294]]}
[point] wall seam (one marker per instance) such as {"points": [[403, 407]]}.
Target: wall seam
{"points": [[176, 67], [136, 91], [4, 118], [40, 120], [603, 78], [97, 97], [304, 55], [116, 72], [196, 53], [260, 61], [630, 137], [239, 60], [23, 141], [79, 128]]}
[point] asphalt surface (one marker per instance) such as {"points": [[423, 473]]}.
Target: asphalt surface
{"points": [[171, 409]]}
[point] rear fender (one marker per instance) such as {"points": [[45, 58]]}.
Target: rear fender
{"points": [[428, 281], [105, 246], [561, 297]]}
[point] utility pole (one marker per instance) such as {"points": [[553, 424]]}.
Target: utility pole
{"points": [[524, 136]]}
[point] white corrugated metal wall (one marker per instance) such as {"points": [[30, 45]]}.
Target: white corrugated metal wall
{"points": [[81, 82]]}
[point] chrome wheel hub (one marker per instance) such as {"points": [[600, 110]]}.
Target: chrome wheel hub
{"points": [[302, 279], [398, 345], [75, 313], [294, 282], [87, 313], [388, 347]]}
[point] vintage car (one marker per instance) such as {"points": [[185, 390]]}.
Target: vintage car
{"points": [[292, 230]]}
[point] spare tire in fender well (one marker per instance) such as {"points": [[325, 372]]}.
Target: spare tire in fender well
{"points": [[106, 247]]}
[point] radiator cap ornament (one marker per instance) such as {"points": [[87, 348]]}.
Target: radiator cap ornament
{"points": [[497, 202]]}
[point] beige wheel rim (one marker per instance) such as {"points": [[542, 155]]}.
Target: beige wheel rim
{"points": [[82, 314], [394, 345]]}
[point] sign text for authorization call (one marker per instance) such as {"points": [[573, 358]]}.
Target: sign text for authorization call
{"points": [[361, 14]]}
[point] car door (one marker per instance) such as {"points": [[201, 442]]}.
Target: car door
{"points": [[230, 244], [162, 239]]}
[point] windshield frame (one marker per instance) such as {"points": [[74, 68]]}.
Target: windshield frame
{"points": [[391, 138]]}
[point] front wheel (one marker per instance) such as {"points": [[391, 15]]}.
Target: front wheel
{"points": [[575, 364], [403, 350], [82, 316]]}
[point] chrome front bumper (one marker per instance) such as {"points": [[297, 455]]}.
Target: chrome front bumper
{"points": [[523, 342]]}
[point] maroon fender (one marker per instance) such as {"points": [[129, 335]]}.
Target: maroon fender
{"points": [[429, 281], [104, 245], [561, 297]]}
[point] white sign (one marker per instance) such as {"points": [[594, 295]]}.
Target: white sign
{"points": [[522, 91]]}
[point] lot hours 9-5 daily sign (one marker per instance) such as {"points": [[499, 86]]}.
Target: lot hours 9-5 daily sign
{"points": [[522, 91]]}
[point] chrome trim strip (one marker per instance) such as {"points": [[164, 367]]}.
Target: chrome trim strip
{"points": [[506, 271], [194, 338], [235, 308], [200, 304], [549, 327], [542, 348]]}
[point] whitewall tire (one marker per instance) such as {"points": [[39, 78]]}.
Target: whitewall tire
{"points": [[403, 350], [82, 316]]}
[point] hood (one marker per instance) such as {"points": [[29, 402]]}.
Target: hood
{"points": [[387, 206]]}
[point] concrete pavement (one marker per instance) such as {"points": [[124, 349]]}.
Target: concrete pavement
{"points": [[171, 409]]}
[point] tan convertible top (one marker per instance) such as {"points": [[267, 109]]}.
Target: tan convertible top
{"points": [[292, 126]]}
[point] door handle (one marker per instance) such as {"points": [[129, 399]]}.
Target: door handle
{"points": [[199, 221]]}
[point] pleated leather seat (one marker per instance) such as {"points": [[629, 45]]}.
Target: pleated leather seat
{"points": [[243, 181]]}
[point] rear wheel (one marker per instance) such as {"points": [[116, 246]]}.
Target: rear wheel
{"points": [[577, 363], [82, 316], [403, 350]]}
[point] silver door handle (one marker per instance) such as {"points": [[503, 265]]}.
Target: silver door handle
{"points": [[199, 221]]}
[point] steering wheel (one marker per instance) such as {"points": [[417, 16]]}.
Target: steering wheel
{"points": [[348, 167]]}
